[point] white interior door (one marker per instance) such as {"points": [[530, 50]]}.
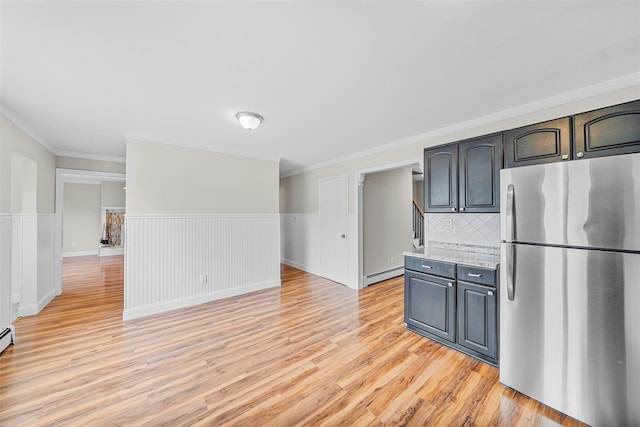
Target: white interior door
{"points": [[333, 211]]}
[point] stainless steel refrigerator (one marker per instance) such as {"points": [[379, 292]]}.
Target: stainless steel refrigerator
{"points": [[570, 287]]}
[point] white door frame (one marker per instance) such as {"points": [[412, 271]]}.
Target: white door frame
{"points": [[360, 177], [78, 176]]}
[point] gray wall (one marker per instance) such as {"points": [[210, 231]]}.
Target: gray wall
{"points": [[81, 217], [387, 219], [113, 195], [184, 180]]}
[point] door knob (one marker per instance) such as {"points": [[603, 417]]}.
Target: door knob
{"points": [[344, 236]]}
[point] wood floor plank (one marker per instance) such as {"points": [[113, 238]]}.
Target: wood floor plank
{"points": [[312, 352]]}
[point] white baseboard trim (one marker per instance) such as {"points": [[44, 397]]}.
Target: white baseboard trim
{"points": [[302, 267], [33, 309], [147, 310], [109, 251], [27, 310], [79, 253], [42, 302], [293, 264], [379, 277]]}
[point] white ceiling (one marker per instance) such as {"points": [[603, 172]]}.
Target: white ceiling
{"points": [[331, 78]]}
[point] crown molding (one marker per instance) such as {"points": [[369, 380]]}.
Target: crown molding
{"points": [[88, 156], [13, 118], [141, 136], [602, 88]]}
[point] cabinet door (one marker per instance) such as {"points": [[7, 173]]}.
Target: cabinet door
{"points": [[429, 304], [441, 179], [608, 131], [540, 143], [477, 323], [479, 164]]}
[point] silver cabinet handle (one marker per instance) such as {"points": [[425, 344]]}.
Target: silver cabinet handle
{"points": [[580, 154], [510, 218], [449, 284], [453, 209], [474, 274], [565, 157], [490, 293], [426, 266], [510, 250], [462, 209]]}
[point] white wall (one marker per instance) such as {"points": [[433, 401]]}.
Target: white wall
{"points": [[200, 226], [299, 194], [387, 220], [81, 219]]}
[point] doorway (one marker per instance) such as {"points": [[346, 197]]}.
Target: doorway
{"points": [[366, 278], [75, 176]]}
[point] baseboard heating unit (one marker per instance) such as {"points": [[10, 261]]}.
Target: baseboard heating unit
{"points": [[6, 338]]}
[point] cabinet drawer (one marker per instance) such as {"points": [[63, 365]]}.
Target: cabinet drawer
{"points": [[483, 276], [429, 266]]}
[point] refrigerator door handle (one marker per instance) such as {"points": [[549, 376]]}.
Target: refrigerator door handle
{"points": [[511, 270], [510, 215]]}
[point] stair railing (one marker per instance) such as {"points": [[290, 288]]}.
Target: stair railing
{"points": [[418, 223]]}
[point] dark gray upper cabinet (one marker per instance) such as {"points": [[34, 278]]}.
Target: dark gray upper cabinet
{"points": [[607, 131], [540, 143], [464, 177], [441, 179], [479, 164]]}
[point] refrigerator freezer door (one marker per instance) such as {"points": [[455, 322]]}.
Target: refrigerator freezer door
{"points": [[570, 336], [591, 203]]}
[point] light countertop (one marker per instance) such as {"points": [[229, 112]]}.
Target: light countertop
{"points": [[477, 256]]}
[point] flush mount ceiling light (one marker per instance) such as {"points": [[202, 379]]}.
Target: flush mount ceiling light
{"points": [[249, 120]]}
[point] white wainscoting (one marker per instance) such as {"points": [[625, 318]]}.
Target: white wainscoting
{"points": [[5, 276], [46, 259], [24, 267], [300, 243], [166, 257]]}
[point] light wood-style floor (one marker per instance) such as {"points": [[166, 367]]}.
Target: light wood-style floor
{"points": [[309, 353]]}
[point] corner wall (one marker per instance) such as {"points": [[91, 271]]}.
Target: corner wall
{"points": [[200, 226], [27, 236]]}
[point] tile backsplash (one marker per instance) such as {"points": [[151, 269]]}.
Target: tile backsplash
{"points": [[466, 228]]}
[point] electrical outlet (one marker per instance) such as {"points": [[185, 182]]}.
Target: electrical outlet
{"points": [[448, 223], [203, 279]]}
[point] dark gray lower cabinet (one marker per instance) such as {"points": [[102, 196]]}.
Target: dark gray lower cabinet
{"points": [[458, 313], [430, 304], [477, 318]]}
